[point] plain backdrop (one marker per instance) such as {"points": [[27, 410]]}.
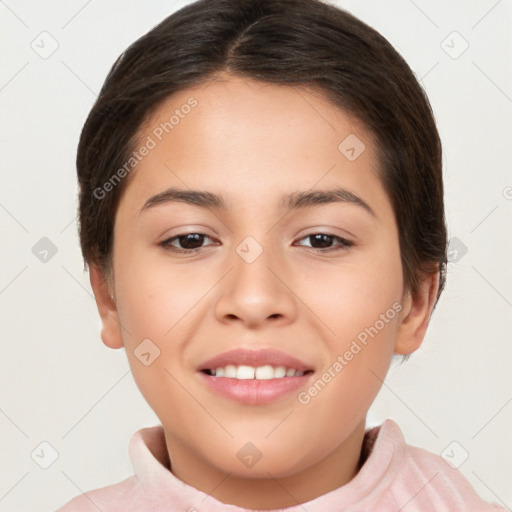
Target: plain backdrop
{"points": [[60, 386]]}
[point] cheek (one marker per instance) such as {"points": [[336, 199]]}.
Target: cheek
{"points": [[351, 297], [158, 308], [153, 310], [360, 304], [155, 299]]}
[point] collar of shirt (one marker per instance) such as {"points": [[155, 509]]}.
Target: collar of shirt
{"points": [[384, 444]]}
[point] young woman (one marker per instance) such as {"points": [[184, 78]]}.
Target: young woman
{"points": [[261, 212]]}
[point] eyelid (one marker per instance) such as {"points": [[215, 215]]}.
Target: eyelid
{"points": [[184, 230], [331, 231]]}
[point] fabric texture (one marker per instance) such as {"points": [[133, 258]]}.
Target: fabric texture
{"points": [[394, 477]]}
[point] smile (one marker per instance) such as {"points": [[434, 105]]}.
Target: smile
{"points": [[254, 377], [244, 372]]}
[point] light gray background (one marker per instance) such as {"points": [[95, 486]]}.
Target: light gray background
{"points": [[61, 385]]}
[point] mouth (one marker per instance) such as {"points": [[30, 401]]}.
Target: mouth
{"points": [[244, 372], [254, 376]]}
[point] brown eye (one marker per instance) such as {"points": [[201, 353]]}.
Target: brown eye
{"points": [[188, 242], [322, 241]]}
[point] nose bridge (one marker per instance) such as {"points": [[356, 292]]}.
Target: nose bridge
{"points": [[253, 292], [253, 260]]}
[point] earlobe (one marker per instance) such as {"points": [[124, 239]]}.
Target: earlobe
{"points": [[416, 312], [111, 329]]}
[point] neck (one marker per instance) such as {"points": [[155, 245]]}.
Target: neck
{"points": [[333, 471]]}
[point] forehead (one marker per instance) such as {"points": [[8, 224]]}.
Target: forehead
{"points": [[250, 139], [255, 112]]}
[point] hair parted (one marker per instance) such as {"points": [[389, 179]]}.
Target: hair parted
{"points": [[291, 42]]}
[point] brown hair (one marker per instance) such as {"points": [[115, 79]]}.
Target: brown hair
{"points": [[278, 41]]}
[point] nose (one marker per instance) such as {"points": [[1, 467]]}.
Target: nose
{"points": [[256, 293]]}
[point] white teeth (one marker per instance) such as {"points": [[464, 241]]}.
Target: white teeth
{"points": [[244, 372], [279, 372], [230, 371], [264, 372]]}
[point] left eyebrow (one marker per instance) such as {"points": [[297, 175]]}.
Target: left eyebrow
{"points": [[291, 201], [310, 198]]}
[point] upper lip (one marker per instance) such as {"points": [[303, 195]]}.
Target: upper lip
{"points": [[255, 358]]}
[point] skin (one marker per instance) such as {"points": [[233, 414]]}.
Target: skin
{"points": [[252, 142]]}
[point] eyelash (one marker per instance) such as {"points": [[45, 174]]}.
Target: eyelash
{"points": [[166, 244]]}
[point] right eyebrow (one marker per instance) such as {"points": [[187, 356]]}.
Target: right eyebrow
{"points": [[194, 197]]}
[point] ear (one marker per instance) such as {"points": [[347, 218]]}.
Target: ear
{"points": [[415, 315], [105, 301]]}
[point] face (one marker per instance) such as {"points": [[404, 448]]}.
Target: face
{"points": [[287, 262]]}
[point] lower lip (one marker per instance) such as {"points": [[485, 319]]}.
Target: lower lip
{"points": [[254, 391]]}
